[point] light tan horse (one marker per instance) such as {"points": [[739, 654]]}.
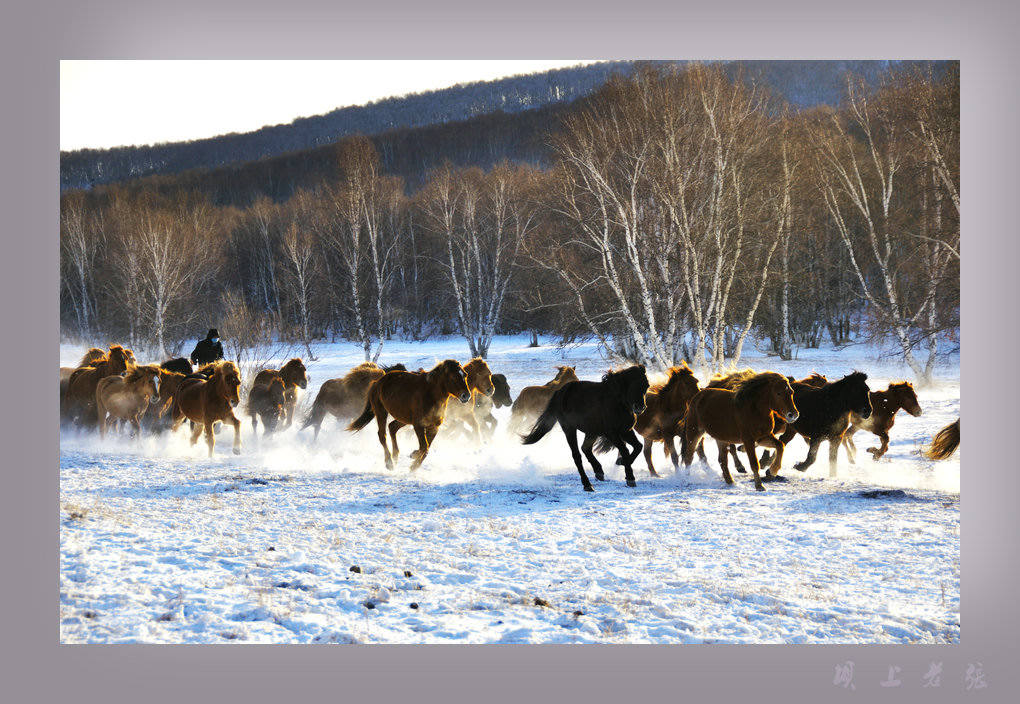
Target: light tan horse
{"points": [[206, 401], [344, 398], [81, 386], [413, 398], [293, 375], [532, 400], [127, 397], [479, 383]]}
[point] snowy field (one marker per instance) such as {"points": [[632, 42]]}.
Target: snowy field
{"points": [[318, 543]]}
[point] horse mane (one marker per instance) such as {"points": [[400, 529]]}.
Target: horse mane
{"points": [[92, 357], [676, 374], [730, 381], [292, 363], [476, 364], [752, 386], [854, 377], [137, 372], [615, 376], [440, 368]]}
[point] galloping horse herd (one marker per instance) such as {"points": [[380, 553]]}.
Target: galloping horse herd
{"points": [[739, 410]]}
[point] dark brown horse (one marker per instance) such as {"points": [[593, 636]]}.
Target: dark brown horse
{"points": [[604, 411], [945, 443], [665, 406], [745, 416], [267, 401], [92, 357], [417, 399], [344, 398], [205, 401], [81, 386], [532, 400], [884, 405], [127, 397], [293, 375], [479, 382]]}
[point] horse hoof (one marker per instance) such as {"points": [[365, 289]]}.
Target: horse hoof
{"points": [[741, 470], [759, 487], [653, 473], [237, 451], [631, 482], [800, 467], [589, 487], [600, 477]]}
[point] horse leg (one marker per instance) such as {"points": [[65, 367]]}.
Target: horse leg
{"points": [[812, 453], [834, 443], [423, 445], [586, 448], [254, 425], [631, 438], [571, 434], [851, 448], [628, 470], [777, 460], [877, 452], [724, 460], [395, 425], [210, 439], [380, 419], [648, 457], [196, 431], [669, 445], [691, 440], [752, 457], [237, 431], [737, 464], [137, 426]]}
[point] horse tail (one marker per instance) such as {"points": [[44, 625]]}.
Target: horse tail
{"points": [[603, 444], [317, 413], [945, 442], [545, 422], [366, 415]]}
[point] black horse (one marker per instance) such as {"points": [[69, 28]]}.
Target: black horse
{"points": [[599, 409], [179, 364], [825, 414]]}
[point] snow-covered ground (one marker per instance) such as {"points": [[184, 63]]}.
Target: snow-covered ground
{"points": [[299, 542]]}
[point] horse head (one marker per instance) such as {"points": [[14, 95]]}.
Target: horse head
{"points": [[501, 396], [630, 385], [905, 397], [294, 372], [854, 389], [451, 378], [227, 379], [479, 376]]}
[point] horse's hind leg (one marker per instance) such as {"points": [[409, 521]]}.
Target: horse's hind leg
{"points": [[586, 448], [777, 460], [395, 425], [423, 445], [851, 448], [648, 457], [628, 469], [737, 464], [877, 452], [196, 431], [571, 434], [380, 419], [752, 457], [834, 442]]}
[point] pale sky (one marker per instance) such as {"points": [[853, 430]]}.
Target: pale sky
{"points": [[114, 103]]}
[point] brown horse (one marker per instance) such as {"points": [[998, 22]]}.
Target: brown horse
{"points": [[91, 358], [81, 386], [884, 405], [945, 443], [205, 401], [532, 400], [665, 406], [479, 383], [413, 398], [293, 375], [267, 401], [741, 417], [127, 397], [344, 398]]}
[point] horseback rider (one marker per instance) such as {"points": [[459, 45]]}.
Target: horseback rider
{"points": [[207, 350]]}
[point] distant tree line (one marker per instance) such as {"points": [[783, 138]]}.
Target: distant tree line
{"points": [[497, 103], [680, 212]]}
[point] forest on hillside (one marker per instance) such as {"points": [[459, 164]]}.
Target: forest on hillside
{"points": [[676, 212], [505, 127]]}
